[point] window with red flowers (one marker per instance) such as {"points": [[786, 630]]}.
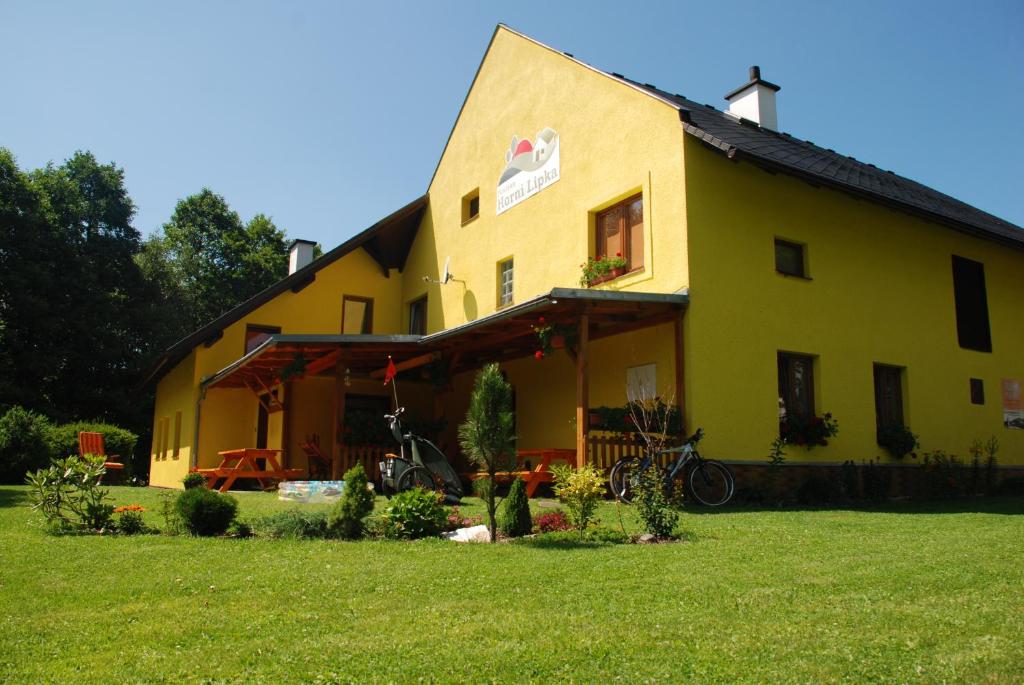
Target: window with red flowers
{"points": [[620, 232]]}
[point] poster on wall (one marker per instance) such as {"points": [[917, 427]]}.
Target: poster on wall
{"points": [[529, 168], [1013, 416]]}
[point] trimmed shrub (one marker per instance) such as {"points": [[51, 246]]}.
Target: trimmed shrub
{"points": [[24, 444], [347, 519], [117, 441], [514, 517], [194, 480], [415, 513], [206, 512], [293, 524]]}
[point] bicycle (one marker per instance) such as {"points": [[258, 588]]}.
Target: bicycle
{"points": [[708, 482]]}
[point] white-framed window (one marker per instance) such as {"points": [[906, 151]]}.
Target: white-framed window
{"points": [[505, 277]]}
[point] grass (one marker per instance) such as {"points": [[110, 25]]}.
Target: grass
{"points": [[906, 594]]}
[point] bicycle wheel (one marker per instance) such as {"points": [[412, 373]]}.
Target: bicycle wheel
{"points": [[711, 483], [623, 477], [418, 477]]}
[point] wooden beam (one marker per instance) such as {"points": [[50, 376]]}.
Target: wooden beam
{"points": [[286, 428], [679, 370], [409, 364], [322, 364], [582, 391]]}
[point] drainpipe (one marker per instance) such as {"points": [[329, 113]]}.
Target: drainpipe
{"points": [[194, 457]]}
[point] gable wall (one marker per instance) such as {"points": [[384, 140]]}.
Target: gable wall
{"points": [[614, 141]]}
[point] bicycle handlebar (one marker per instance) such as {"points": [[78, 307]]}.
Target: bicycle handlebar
{"points": [[687, 444]]}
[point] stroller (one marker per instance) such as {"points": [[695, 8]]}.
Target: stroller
{"points": [[424, 465]]}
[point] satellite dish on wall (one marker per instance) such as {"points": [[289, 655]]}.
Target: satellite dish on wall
{"points": [[445, 277]]}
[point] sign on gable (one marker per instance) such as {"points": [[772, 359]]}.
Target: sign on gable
{"points": [[529, 168]]}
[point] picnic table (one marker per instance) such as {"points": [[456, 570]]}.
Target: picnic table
{"points": [[541, 473], [242, 463]]}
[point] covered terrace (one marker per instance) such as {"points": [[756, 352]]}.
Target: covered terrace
{"points": [[585, 315]]}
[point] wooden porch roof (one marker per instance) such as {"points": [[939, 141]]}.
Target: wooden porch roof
{"points": [[504, 335]]}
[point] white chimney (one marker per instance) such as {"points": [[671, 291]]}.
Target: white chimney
{"points": [[300, 253], [755, 100]]}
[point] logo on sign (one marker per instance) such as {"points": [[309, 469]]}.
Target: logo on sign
{"points": [[529, 169]]}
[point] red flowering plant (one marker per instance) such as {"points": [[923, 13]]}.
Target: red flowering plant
{"points": [[598, 269], [547, 334], [550, 522], [807, 431], [456, 520]]}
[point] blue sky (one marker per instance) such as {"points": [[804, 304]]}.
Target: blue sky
{"points": [[328, 116]]}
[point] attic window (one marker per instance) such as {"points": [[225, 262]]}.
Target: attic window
{"points": [[790, 259], [471, 206], [257, 335]]}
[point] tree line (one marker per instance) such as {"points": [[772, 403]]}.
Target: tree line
{"points": [[87, 304]]}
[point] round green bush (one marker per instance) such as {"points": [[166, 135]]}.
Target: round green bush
{"points": [[206, 512], [194, 480], [24, 444], [413, 514], [116, 440]]}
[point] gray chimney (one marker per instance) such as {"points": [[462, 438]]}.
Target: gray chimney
{"points": [[755, 100], [300, 253]]}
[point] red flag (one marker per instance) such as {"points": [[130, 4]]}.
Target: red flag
{"points": [[391, 371]]}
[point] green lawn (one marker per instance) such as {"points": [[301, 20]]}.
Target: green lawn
{"points": [[906, 594]]}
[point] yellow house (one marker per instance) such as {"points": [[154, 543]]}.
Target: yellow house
{"points": [[763, 277]]}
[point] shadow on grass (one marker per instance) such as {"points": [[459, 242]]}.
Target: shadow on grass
{"points": [[11, 496], [1008, 506]]}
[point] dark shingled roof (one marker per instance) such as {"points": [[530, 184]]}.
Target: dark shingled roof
{"points": [[387, 242], [782, 152]]}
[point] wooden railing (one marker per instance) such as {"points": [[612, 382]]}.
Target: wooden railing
{"points": [[604, 448], [369, 456]]}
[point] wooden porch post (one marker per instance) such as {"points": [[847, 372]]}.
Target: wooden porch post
{"points": [[286, 425], [680, 377], [339, 419], [582, 392]]}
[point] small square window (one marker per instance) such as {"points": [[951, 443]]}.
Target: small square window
{"points": [[789, 258], [505, 278], [977, 391], [471, 206]]}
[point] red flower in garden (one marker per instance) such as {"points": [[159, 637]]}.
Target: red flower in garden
{"points": [[618, 254], [538, 355]]}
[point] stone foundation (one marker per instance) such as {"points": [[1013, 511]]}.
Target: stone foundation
{"points": [[829, 483]]}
